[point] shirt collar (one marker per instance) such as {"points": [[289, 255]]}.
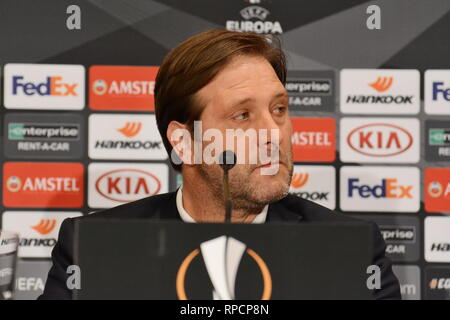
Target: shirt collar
{"points": [[185, 216]]}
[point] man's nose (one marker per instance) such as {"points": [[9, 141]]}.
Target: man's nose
{"points": [[268, 123]]}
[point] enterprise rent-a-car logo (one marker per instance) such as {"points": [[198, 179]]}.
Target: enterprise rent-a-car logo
{"points": [[401, 234], [310, 91], [43, 136]]}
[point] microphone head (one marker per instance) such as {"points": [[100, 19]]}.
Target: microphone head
{"points": [[227, 159]]}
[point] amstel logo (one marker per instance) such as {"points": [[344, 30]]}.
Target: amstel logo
{"points": [[222, 268], [14, 184], [99, 87], [435, 189]]}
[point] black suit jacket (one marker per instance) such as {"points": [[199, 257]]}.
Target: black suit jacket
{"points": [[289, 209]]}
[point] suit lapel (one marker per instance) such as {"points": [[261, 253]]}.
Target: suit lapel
{"points": [[282, 211], [168, 209]]}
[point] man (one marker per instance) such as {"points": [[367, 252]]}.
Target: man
{"points": [[226, 80]]}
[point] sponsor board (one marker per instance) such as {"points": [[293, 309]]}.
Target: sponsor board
{"points": [[437, 140], [437, 239], [409, 279], [437, 283], [112, 184], [390, 140], [44, 86], [437, 92], [38, 230], [43, 136], [315, 183], [314, 139], [437, 189], [117, 88], [311, 91], [380, 91], [401, 234], [43, 185], [376, 188], [125, 136], [7, 264], [30, 279], [9, 242]]}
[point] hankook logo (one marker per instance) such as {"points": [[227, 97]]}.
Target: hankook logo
{"points": [[131, 129], [222, 256], [45, 226], [380, 91], [299, 179], [314, 183], [382, 84]]}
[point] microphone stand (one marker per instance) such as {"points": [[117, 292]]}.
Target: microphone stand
{"points": [[226, 192], [227, 161]]}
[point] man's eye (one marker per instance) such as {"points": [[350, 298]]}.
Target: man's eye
{"points": [[241, 116], [280, 110]]}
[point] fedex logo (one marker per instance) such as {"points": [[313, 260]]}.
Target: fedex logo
{"points": [[53, 86], [44, 86], [440, 90], [437, 91], [381, 189], [389, 188]]}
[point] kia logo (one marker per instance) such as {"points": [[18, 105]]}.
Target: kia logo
{"points": [[125, 185], [379, 140]]}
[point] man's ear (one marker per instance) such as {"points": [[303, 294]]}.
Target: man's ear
{"points": [[180, 138]]}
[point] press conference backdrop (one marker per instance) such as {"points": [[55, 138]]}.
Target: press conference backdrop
{"points": [[369, 99]]}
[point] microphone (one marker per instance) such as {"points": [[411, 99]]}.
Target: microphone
{"points": [[227, 161]]}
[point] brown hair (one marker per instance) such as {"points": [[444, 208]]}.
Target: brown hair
{"points": [[194, 63]]}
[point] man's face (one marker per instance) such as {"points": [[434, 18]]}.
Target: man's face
{"points": [[247, 94]]}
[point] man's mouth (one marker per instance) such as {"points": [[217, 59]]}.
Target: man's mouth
{"points": [[270, 164]]}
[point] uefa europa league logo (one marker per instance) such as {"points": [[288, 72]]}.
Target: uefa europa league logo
{"points": [[222, 257]]}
